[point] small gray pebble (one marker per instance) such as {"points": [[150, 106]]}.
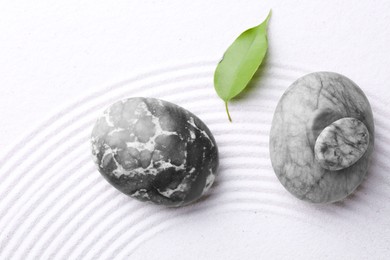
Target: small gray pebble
{"points": [[310, 105], [155, 151], [341, 144]]}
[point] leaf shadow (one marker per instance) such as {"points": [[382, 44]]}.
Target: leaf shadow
{"points": [[254, 82]]}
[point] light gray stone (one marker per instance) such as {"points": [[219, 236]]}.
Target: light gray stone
{"points": [[308, 106], [341, 144]]}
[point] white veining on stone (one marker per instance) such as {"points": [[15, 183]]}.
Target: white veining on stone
{"points": [[148, 147], [209, 181], [191, 122]]}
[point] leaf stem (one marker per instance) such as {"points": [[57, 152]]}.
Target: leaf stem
{"points": [[227, 111]]}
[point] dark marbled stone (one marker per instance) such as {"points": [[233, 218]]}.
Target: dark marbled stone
{"points": [[155, 151], [308, 106]]}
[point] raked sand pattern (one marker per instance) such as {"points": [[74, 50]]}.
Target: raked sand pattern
{"points": [[55, 205]]}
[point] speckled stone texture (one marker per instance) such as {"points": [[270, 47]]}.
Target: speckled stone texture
{"points": [[308, 106], [155, 151], [341, 144]]}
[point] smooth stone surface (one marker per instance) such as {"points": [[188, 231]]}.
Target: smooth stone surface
{"points": [[341, 144], [309, 105], [155, 151]]}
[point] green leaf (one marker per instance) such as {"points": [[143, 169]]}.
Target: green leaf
{"points": [[240, 62]]}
